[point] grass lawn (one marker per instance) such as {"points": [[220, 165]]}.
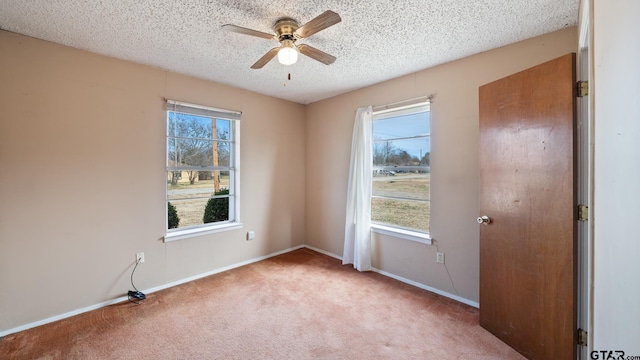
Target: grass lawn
{"points": [[191, 203], [190, 211], [401, 212]]}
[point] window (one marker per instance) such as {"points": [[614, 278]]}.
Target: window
{"points": [[401, 168], [202, 169]]}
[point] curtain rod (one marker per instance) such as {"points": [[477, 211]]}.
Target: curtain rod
{"points": [[403, 102]]}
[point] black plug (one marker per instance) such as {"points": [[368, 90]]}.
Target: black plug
{"points": [[137, 294]]}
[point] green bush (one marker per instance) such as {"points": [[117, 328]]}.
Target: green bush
{"points": [[172, 217], [217, 209]]}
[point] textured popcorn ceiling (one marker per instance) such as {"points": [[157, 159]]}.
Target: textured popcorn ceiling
{"points": [[185, 36]]}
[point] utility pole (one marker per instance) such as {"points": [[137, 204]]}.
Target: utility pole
{"points": [[216, 173]]}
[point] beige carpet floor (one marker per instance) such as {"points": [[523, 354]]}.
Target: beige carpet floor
{"points": [[299, 305]]}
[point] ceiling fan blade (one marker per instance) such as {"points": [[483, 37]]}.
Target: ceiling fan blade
{"points": [[266, 58], [321, 22], [241, 30], [316, 54]]}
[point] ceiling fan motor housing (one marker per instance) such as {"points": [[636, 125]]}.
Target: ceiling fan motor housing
{"points": [[285, 28]]}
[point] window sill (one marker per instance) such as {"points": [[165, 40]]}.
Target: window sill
{"points": [[189, 233], [402, 233]]}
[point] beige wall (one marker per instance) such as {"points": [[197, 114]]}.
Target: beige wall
{"points": [[82, 178], [454, 160]]}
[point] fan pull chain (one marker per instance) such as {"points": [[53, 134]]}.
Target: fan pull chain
{"points": [[288, 77], [284, 82]]}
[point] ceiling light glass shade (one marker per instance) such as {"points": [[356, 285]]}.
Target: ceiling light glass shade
{"points": [[288, 54]]}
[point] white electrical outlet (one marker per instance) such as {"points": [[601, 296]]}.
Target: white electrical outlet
{"points": [[140, 258], [440, 257]]}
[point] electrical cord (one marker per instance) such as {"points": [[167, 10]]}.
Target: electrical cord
{"points": [[134, 270], [445, 267], [137, 294]]}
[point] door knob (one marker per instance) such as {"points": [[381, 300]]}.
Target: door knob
{"points": [[484, 220]]}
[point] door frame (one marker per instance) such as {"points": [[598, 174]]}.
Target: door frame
{"points": [[585, 179]]}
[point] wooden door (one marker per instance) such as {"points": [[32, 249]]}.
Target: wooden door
{"points": [[528, 191]]}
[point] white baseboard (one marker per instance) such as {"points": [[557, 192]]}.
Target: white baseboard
{"points": [[146, 291], [406, 281], [428, 288], [219, 270], [323, 252], [62, 316]]}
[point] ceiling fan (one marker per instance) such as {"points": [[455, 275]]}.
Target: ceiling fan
{"points": [[287, 31]]}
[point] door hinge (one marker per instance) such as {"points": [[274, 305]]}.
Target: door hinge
{"points": [[582, 337], [583, 88], [583, 213]]}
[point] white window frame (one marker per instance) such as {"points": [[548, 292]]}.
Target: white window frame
{"points": [[234, 168], [389, 229]]}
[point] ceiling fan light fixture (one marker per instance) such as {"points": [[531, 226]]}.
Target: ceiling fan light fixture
{"points": [[288, 54]]}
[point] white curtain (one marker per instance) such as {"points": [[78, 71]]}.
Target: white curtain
{"points": [[357, 230]]}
